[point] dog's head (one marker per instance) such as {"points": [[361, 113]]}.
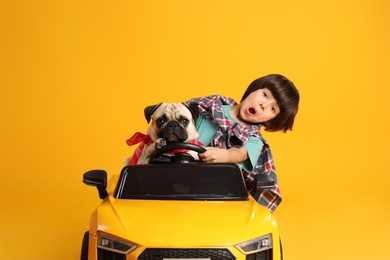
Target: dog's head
{"points": [[173, 122]]}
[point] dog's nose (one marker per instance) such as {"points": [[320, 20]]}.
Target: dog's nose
{"points": [[173, 124]]}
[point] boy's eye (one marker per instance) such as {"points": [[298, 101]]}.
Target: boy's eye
{"points": [[265, 94]]}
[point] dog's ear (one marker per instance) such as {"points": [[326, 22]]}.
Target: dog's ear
{"points": [[149, 110], [193, 109]]}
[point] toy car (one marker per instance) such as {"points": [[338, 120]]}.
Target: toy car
{"points": [[177, 208]]}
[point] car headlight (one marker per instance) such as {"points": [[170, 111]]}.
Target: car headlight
{"points": [[115, 244], [256, 245]]}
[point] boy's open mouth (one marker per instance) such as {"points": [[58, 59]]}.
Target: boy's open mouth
{"points": [[251, 111]]}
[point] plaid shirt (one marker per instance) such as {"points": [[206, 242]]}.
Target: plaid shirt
{"points": [[232, 134]]}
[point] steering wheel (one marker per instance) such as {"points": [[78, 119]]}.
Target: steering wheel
{"points": [[160, 156]]}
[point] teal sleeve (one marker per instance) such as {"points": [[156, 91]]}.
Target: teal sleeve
{"points": [[206, 130], [253, 146]]}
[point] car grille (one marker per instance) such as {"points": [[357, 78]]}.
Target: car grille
{"points": [[264, 255], [212, 253]]}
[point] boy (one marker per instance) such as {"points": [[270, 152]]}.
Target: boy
{"points": [[231, 130]]}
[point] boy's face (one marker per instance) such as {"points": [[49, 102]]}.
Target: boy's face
{"points": [[258, 107]]}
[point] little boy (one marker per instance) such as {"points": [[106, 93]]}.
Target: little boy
{"points": [[231, 130]]}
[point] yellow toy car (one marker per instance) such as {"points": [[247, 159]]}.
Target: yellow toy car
{"points": [[170, 210]]}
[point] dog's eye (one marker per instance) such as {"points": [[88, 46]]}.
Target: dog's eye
{"points": [[160, 121], [184, 121]]}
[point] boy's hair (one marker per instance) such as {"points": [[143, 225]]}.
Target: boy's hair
{"points": [[287, 96]]}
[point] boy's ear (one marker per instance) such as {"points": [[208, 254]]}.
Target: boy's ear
{"points": [[193, 109], [149, 110]]}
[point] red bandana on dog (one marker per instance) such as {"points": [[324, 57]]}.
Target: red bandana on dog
{"points": [[146, 140], [135, 139]]}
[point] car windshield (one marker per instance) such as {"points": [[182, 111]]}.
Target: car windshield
{"points": [[182, 182]]}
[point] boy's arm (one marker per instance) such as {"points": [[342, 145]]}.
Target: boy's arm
{"points": [[218, 155]]}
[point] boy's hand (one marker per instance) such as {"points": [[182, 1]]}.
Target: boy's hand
{"points": [[214, 155], [218, 155]]}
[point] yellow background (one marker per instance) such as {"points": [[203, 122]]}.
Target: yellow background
{"points": [[76, 75]]}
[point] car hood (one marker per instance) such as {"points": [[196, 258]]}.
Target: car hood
{"points": [[183, 223]]}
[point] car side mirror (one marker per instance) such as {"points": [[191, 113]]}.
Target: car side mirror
{"points": [[97, 178], [263, 182]]}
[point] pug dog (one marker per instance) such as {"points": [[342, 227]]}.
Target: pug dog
{"points": [[170, 122]]}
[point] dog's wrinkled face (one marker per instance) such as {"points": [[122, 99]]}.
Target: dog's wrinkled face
{"points": [[172, 122]]}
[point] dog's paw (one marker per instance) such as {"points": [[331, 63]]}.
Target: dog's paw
{"points": [[160, 143]]}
